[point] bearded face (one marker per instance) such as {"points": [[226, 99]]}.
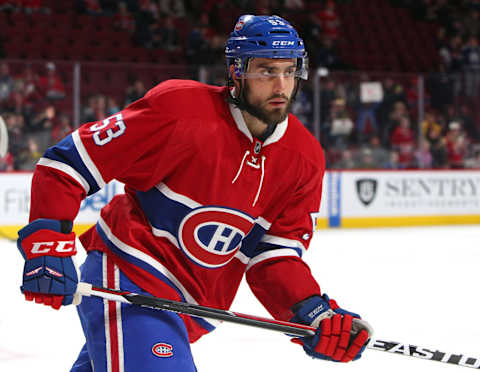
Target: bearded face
{"points": [[267, 110]]}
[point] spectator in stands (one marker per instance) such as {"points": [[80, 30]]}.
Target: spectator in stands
{"points": [[422, 156], [339, 125], [92, 7], [313, 29], [135, 91], [413, 90], [379, 153], [198, 46], [262, 7], [16, 102], [438, 148], [441, 38], [7, 5], [468, 123], [174, 8], [451, 54], [123, 19], [16, 137], [51, 85], [366, 124], [112, 106], [6, 82], [302, 107], [31, 155], [440, 86], [393, 161], [399, 110], [429, 122], [472, 22], [474, 162], [456, 144], [217, 50], [366, 160], [325, 54], [61, 129], [450, 114], [6, 163], [145, 20], [294, 5], [346, 162], [32, 6], [165, 35], [403, 141], [30, 83], [44, 120], [471, 66], [329, 20], [392, 92], [41, 126], [329, 91], [96, 109]]}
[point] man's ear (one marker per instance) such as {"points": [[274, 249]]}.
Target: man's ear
{"points": [[234, 77]]}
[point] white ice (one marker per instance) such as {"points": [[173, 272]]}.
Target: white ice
{"points": [[414, 285]]}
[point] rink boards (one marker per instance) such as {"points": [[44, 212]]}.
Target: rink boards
{"points": [[350, 199]]}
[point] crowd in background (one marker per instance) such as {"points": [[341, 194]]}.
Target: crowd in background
{"points": [[355, 134]]}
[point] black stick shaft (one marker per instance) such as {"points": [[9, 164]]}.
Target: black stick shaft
{"points": [[294, 329]]}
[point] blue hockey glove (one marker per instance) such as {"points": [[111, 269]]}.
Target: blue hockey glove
{"points": [[341, 335], [49, 274]]}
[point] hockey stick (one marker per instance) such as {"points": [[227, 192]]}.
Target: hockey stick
{"points": [[294, 329], [3, 138]]}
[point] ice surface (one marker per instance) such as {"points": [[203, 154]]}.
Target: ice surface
{"points": [[414, 285]]}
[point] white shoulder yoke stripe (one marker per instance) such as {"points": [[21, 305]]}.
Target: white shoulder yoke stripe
{"points": [[87, 160], [165, 234], [283, 252], [242, 257], [263, 223], [67, 169], [185, 200], [289, 243]]}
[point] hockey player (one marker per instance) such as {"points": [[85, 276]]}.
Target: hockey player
{"points": [[219, 182]]}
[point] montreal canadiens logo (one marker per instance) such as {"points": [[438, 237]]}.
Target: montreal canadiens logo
{"points": [[162, 350], [211, 236], [239, 25]]}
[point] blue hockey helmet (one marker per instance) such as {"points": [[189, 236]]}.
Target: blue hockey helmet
{"points": [[264, 37]]}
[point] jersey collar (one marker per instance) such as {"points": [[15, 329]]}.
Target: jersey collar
{"points": [[277, 134]]}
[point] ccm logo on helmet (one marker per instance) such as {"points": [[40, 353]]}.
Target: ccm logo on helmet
{"points": [[162, 350], [211, 236], [283, 43], [58, 246]]}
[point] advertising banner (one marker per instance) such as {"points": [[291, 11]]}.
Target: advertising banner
{"points": [[350, 199]]}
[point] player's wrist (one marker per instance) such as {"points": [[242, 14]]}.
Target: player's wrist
{"points": [[46, 237], [312, 310]]}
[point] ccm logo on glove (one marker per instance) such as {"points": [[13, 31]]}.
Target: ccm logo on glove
{"points": [[35, 246], [60, 246]]}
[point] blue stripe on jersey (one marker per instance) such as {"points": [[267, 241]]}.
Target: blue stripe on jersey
{"points": [[66, 152], [264, 247], [162, 212], [250, 242], [148, 268], [166, 214]]}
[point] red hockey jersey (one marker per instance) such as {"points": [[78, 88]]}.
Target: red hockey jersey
{"points": [[204, 201]]}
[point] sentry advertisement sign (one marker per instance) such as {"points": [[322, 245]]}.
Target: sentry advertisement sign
{"points": [[410, 193], [346, 194]]}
